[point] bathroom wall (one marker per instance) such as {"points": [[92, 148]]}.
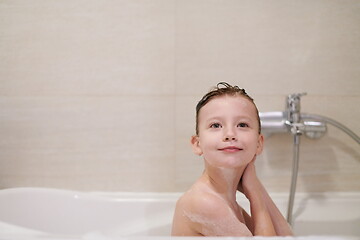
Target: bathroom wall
{"points": [[100, 95]]}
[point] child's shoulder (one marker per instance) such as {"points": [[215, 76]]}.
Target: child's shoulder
{"points": [[200, 199]]}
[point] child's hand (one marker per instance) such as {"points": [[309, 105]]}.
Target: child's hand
{"points": [[249, 179]]}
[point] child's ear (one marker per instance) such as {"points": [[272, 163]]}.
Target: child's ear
{"points": [[260, 145], [195, 144]]}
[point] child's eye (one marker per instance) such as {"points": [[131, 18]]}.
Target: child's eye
{"points": [[215, 125], [243, 125]]}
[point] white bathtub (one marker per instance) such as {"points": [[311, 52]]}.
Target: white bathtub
{"points": [[39, 213]]}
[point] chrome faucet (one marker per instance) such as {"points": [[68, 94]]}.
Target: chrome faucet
{"points": [[292, 111], [292, 120], [293, 107]]}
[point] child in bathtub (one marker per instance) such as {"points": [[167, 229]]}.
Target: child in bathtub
{"points": [[228, 137]]}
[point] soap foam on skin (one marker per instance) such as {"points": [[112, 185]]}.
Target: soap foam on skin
{"points": [[211, 225]]}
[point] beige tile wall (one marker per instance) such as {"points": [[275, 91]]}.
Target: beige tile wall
{"points": [[100, 95]]}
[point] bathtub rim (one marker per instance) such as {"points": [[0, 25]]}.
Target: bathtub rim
{"points": [[171, 197], [152, 196]]}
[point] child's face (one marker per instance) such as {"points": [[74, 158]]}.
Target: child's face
{"points": [[228, 132]]}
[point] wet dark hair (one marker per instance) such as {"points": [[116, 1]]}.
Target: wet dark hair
{"points": [[222, 89]]}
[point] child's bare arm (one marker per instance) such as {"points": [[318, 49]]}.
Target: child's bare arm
{"points": [[261, 219], [281, 226], [259, 198]]}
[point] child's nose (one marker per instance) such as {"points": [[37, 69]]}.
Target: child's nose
{"points": [[229, 139], [229, 135]]}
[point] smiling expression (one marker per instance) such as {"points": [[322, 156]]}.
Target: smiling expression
{"points": [[228, 132]]}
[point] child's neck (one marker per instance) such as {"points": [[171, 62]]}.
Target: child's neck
{"points": [[224, 181]]}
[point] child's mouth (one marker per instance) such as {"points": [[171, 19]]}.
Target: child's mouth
{"points": [[230, 149]]}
